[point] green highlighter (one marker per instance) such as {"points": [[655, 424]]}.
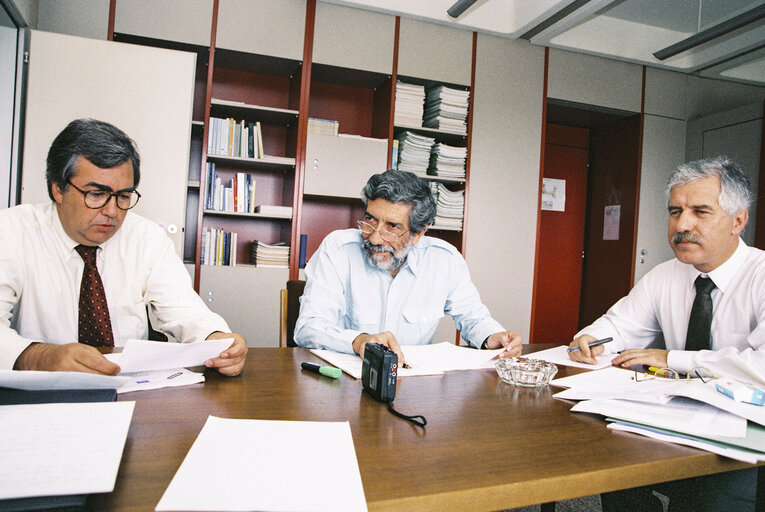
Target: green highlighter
{"points": [[329, 371]]}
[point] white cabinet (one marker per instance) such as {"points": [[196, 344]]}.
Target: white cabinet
{"points": [[340, 166], [158, 19]]}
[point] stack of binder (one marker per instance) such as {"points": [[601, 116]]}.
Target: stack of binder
{"points": [[410, 101], [414, 152], [447, 161], [270, 255], [446, 109], [450, 206]]}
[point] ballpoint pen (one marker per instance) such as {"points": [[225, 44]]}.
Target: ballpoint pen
{"points": [[591, 344]]}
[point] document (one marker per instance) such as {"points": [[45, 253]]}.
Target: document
{"points": [[143, 381], [144, 355], [61, 448], [433, 359], [30, 380], [278, 466], [559, 355]]}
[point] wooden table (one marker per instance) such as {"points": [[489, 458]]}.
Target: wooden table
{"points": [[487, 445]]}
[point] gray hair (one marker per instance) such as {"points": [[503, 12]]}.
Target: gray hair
{"points": [[403, 187], [735, 189], [102, 144]]}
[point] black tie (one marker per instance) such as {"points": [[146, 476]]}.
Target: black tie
{"points": [[700, 323]]}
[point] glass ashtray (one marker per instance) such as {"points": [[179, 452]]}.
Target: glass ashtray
{"points": [[529, 373]]}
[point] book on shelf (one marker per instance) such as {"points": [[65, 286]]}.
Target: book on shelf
{"points": [[237, 196], [394, 155], [229, 137], [303, 243], [318, 126], [218, 247], [278, 211], [270, 255]]}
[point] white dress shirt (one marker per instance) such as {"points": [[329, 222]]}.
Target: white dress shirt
{"points": [[40, 274], [346, 296], [660, 304]]}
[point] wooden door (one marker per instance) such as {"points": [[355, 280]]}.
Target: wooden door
{"points": [[146, 92], [561, 238]]}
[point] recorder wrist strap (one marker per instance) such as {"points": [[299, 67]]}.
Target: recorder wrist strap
{"points": [[417, 419]]}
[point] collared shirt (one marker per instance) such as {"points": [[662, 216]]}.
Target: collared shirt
{"points": [[660, 304], [346, 296], [40, 274]]}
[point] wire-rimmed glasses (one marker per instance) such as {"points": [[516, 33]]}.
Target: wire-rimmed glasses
{"points": [[699, 372], [385, 233], [94, 199]]}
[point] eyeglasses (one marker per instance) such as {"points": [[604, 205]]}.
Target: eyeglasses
{"points": [[667, 373], [385, 233], [99, 198]]}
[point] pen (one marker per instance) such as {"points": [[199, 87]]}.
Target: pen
{"points": [[591, 344], [329, 371]]}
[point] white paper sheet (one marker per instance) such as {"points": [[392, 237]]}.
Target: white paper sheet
{"points": [[143, 381], [30, 380], [61, 449], [559, 355], [277, 466], [144, 355], [679, 414], [424, 359]]}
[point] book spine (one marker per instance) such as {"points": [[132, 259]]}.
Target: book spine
{"points": [[251, 140], [303, 243]]}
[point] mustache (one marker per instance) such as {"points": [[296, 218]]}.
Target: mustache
{"points": [[377, 248], [685, 236]]}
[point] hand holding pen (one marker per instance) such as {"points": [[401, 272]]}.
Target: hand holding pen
{"points": [[585, 348]]}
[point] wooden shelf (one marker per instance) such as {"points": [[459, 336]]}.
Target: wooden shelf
{"points": [[248, 215], [267, 162], [448, 137], [269, 115]]}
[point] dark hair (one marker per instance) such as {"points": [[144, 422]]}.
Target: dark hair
{"points": [[102, 144], [403, 187], [735, 190]]}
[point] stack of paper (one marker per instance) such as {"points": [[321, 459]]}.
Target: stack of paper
{"points": [[450, 206], [414, 152], [275, 210], [270, 255], [689, 412], [322, 126], [447, 161], [446, 109], [410, 101]]}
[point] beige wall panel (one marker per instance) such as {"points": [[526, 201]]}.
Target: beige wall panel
{"points": [[504, 177], [353, 38], [146, 92], [185, 21], [435, 52], [594, 81], [266, 27], [707, 96], [28, 10], [663, 150], [248, 298], [665, 93], [84, 18]]}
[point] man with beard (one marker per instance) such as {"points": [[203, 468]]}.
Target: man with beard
{"points": [[706, 307], [388, 283]]}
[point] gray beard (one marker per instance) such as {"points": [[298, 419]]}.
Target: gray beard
{"points": [[397, 259]]}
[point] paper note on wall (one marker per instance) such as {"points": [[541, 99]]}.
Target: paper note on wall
{"points": [[553, 194], [611, 222]]}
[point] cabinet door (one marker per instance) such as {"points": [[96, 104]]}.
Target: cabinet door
{"points": [[161, 19], [340, 166], [146, 92]]}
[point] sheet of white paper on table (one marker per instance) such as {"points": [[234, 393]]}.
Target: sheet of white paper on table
{"points": [[433, 359], [733, 453], [277, 468], [679, 414], [145, 355], [31, 380], [62, 448], [559, 355], [144, 381]]}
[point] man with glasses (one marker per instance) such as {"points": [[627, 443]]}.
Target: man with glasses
{"points": [[388, 283], [706, 310], [80, 272]]}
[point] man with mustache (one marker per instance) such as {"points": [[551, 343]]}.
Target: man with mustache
{"points": [[80, 272], [708, 203], [388, 283]]}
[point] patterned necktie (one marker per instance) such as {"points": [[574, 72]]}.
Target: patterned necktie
{"points": [[95, 327], [700, 323]]}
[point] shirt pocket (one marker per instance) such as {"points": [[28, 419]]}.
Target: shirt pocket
{"points": [[420, 324], [362, 318]]}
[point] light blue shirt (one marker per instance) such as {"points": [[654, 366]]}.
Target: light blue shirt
{"points": [[346, 296]]}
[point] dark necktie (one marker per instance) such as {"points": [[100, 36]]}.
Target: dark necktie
{"points": [[700, 323], [94, 325]]}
